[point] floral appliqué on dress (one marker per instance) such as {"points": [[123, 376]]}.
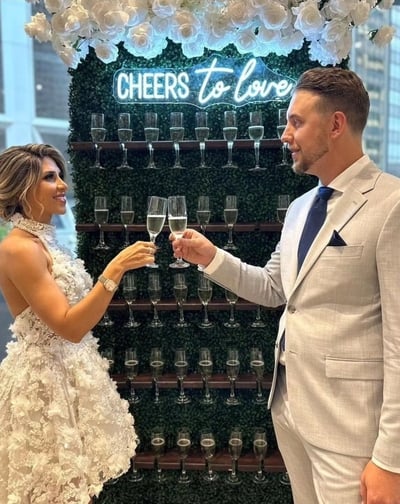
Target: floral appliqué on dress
{"points": [[64, 429]]}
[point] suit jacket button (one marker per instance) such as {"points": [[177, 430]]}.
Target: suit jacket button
{"points": [[291, 309]]}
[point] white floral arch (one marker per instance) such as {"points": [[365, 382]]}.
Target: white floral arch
{"points": [[259, 27]]}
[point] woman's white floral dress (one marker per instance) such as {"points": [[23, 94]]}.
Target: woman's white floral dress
{"points": [[64, 429]]}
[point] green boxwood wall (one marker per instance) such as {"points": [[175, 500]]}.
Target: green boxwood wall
{"points": [[91, 92]]}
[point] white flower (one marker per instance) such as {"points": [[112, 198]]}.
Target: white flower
{"points": [[39, 28], [383, 36], [257, 26], [309, 19]]}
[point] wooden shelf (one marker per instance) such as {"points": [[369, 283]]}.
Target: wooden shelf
{"points": [[221, 461], [185, 145], [266, 227], [193, 381]]}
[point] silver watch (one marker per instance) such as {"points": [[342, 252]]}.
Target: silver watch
{"points": [[108, 284]]}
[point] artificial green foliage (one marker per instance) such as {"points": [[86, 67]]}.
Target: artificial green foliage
{"points": [[91, 92]]}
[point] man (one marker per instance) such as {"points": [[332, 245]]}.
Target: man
{"points": [[335, 395]]}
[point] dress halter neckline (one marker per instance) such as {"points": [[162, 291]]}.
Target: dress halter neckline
{"points": [[38, 229]]}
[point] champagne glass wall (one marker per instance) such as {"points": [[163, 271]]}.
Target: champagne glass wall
{"points": [[256, 193]]}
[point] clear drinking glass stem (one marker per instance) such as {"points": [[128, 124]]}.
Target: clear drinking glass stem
{"points": [[207, 395], [156, 391], [158, 470], [230, 235], [209, 470], [231, 313], [206, 319], [230, 149], [257, 154], [177, 156], [260, 475], [234, 476], [182, 396], [126, 242], [132, 393], [181, 314], [124, 155], [232, 395], [156, 318], [202, 155], [259, 396], [97, 149]]}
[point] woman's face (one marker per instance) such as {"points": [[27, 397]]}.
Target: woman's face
{"points": [[49, 196]]}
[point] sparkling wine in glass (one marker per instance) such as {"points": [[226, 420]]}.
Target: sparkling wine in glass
{"points": [[127, 216], [230, 133], [157, 441], [202, 131], [98, 134], [108, 354], [131, 369], [181, 367], [235, 446], [156, 212], [124, 135], [204, 291], [154, 291], [282, 206], [177, 221], [230, 218], [183, 443], [232, 370], [129, 291], [205, 364], [180, 293], [260, 447], [177, 133], [101, 213], [280, 128], [257, 367], [232, 299], [156, 366], [207, 444], [256, 132], [151, 134]]}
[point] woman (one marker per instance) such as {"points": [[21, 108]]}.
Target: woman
{"points": [[64, 430]]}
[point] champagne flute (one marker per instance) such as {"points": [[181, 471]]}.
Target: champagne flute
{"points": [[202, 131], [180, 293], [129, 291], [98, 134], [230, 217], [154, 290], [258, 322], [260, 447], [131, 369], [124, 135], [235, 449], [203, 212], [230, 133], [232, 299], [177, 132], [181, 367], [134, 476], [256, 132], [157, 441], [177, 220], [108, 354], [151, 134], [101, 213], [156, 212], [282, 206], [127, 216], [183, 442], [257, 366], [207, 444], [205, 364], [157, 366], [232, 369], [280, 128], [204, 291]]}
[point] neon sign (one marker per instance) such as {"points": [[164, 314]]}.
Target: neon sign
{"points": [[235, 81]]}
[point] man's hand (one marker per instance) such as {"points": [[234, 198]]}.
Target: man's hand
{"points": [[194, 247], [379, 486]]}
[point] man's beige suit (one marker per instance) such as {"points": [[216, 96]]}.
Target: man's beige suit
{"points": [[341, 319]]}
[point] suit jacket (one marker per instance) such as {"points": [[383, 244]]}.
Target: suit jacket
{"points": [[341, 318]]}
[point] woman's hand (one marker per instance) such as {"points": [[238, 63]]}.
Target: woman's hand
{"points": [[135, 256], [193, 247]]}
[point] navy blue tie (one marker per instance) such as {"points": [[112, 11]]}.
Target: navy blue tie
{"points": [[315, 219]]}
